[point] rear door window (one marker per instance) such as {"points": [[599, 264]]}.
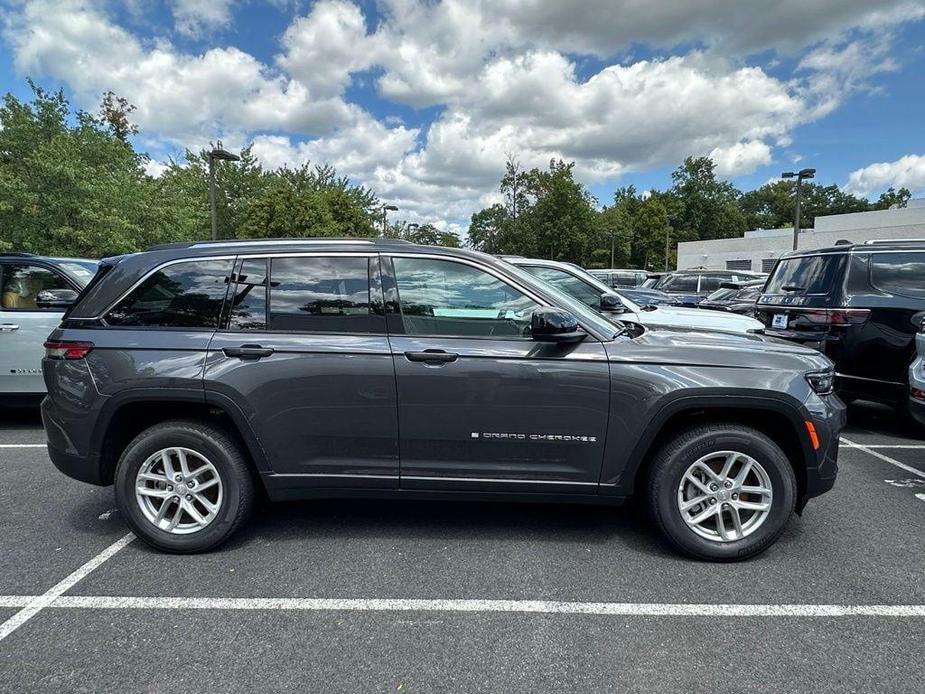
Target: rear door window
{"points": [[248, 301], [187, 294], [812, 274], [322, 294], [899, 273]]}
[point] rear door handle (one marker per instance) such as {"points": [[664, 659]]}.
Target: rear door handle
{"points": [[248, 352], [8, 327], [432, 356]]}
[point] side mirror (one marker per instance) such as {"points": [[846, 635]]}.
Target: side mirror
{"points": [[611, 303], [555, 325], [56, 298]]}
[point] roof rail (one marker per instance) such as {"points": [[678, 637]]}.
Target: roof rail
{"points": [[877, 242], [221, 243], [17, 254]]}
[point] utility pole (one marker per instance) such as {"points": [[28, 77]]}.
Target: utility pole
{"points": [[222, 155], [667, 245], [799, 175]]}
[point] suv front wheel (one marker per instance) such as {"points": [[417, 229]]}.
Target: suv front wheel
{"points": [[722, 492], [183, 487]]}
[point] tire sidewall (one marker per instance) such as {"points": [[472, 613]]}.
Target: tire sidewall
{"points": [[783, 485], [139, 451]]}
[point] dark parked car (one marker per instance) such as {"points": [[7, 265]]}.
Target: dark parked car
{"points": [[917, 380], [734, 297], [861, 305], [191, 375], [630, 284], [690, 287]]}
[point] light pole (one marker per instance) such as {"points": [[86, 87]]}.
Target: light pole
{"points": [[222, 155], [667, 243], [799, 175], [385, 210]]}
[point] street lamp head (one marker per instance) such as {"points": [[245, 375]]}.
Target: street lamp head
{"points": [[223, 155], [390, 208], [807, 173], [788, 174]]}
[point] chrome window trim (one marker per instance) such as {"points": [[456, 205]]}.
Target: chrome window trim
{"points": [[283, 242]]}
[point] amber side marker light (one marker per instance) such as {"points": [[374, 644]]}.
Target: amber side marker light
{"points": [[813, 436]]}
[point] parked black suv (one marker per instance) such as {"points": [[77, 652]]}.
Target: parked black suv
{"points": [[192, 375], [861, 305]]}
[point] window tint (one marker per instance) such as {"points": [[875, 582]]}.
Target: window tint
{"points": [[899, 273], [571, 285], [439, 297], [20, 285], [814, 274], [249, 301], [710, 283], [183, 295], [317, 294], [624, 279], [679, 283]]}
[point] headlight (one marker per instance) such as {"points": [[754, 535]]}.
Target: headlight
{"points": [[821, 381]]}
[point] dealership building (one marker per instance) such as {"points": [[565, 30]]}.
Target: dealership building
{"points": [[759, 249]]}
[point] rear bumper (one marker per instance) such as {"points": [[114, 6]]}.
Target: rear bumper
{"points": [[917, 410], [71, 456]]}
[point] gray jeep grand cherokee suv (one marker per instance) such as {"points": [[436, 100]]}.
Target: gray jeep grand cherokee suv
{"points": [[192, 376]]}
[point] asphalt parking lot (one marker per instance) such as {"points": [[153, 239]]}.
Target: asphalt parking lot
{"points": [[361, 596]]}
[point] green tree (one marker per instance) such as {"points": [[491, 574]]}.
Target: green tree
{"points": [[707, 207], [70, 184]]}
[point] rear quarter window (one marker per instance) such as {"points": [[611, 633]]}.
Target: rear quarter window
{"points": [[187, 294], [899, 273]]}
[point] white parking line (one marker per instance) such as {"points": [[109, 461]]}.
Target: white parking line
{"points": [[478, 606], [23, 445], [37, 603], [884, 458]]}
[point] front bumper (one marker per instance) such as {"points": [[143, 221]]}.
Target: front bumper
{"points": [[829, 420]]}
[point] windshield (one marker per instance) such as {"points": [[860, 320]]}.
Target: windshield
{"points": [[80, 270], [722, 294], [813, 274], [580, 310]]}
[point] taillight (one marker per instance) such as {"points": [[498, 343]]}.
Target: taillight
{"points": [[918, 394], [66, 349], [836, 316]]}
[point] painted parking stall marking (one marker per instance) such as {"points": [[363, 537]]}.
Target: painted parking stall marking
{"points": [[37, 603], [470, 606]]}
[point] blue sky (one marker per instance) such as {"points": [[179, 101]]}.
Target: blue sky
{"points": [[422, 101]]}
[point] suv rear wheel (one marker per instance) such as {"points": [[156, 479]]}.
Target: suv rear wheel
{"points": [[721, 492], [183, 486]]}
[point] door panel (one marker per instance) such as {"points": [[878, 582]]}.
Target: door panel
{"points": [[480, 404], [310, 364], [321, 405], [518, 411]]}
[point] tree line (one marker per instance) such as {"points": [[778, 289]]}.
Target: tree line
{"points": [[72, 183], [549, 214]]}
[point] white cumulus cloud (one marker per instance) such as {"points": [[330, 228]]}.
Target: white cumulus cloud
{"points": [[905, 172]]}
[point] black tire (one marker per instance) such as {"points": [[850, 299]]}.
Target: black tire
{"points": [[683, 450], [221, 450]]}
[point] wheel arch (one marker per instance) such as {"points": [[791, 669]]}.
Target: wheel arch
{"points": [[778, 417], [127, 414]]}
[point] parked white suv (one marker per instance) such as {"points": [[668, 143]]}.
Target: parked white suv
{"points": [[34, 293], [583, 286]]}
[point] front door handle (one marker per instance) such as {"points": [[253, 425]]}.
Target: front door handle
{"points": [[432, 356], [248, 352], [8, 327]]}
